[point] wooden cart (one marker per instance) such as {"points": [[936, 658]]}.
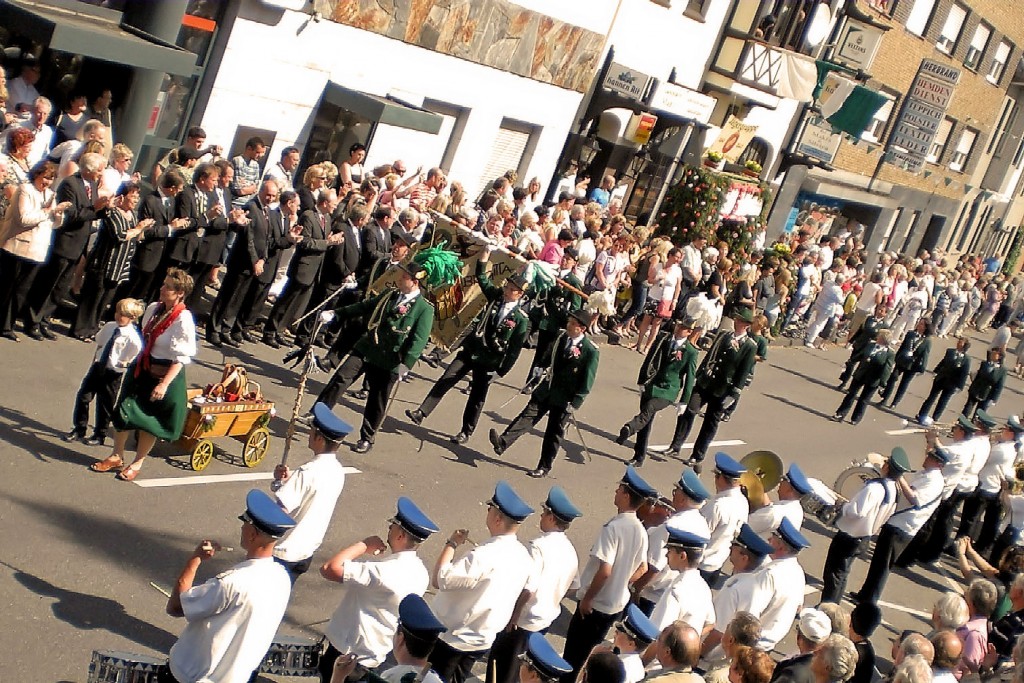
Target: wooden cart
{"points": [[245, 421]]}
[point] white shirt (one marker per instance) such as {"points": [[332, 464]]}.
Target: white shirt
{"points": [[725, 513], [927, 485], [969, 479], [666, 281], [998, 468], [634, 667], [478, 592], [962, 454], [20, 92], [365, 621], [866, 300], [744, 591], [622, 544], [692, 261], [178, 343], [688, 599], [764, 521], [587, 252], [282, 177], [40, 144], [657, 553], [395, 674], [232, 619], [555, 569], [309, 496], [868, 510], [126, 347], [784, 580]]}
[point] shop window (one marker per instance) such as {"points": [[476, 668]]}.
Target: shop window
{"points": [[958, 161], [999, 59], [917, 22], [951, 29], [939, 142], [976, 51], [757, 150]]}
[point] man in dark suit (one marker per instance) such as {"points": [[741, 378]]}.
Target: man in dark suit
{"points": [[861, 339], [54, 281], [377, 236], [872, 371], [569, 375], [304, 267], [195, 207], [988, 383], [158, 205], [911, 359], [951, 376], [211, 247]]}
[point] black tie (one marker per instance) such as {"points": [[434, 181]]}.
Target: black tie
{"points": [[108, 348]]}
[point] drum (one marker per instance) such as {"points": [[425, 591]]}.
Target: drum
{"points": [[108, 666], [292, 656], [822, 502]]}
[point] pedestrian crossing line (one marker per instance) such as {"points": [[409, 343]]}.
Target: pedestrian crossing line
{"points": [[908, 610], [664, 448], [904, 432], [165, 482]]}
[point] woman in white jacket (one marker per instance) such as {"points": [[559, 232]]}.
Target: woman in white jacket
{"points": [[26, 234]]}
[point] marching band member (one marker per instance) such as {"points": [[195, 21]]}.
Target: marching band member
{"points": [[726, 512], [861, 518], [619, 551], [370, 610], [232, 618], [476, 594], [667, 376], [558, 302], [911, 359], [969, 482], [987, 385], [871, 372], [540, 662], [491, 348], [688, 598], [572, 367], [792, 488], [986, 502], [784, 578], [633, 635], [861, 340]]}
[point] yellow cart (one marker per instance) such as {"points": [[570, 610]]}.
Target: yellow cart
{"points": [[245, 421]]}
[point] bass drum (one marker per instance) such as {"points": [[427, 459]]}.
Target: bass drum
{"points": [[851, 480]]}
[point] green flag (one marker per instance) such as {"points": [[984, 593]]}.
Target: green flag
{"points": [[857, 111]]}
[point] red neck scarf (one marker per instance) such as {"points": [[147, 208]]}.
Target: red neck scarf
{"points": [[154, 329]]}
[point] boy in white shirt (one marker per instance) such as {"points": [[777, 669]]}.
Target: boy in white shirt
{"points": [[117, 345]]}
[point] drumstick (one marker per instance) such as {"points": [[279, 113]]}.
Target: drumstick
{"points": [[209, 547], [166, 592]]}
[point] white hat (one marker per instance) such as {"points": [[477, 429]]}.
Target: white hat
{"points": [[814, 625]]}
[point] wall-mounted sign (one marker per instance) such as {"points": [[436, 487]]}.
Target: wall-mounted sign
{"points": [[857, 45], [640, 128], [629, 83], [818, 141], [683, 102], [923, 110], [733, 139]]}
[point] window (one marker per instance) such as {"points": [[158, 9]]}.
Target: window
{"points": [[958, 161], [977, 49], [511, 150], [919, 16], [695, 9], [951, 29], [1018, 156], [939, 142], [876, 129], [999, 59], [1006, 117]]}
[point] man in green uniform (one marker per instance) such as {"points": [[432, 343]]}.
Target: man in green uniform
{"points": [[951, 375], [987, 385], [552, 315], [872, 371], [398, 328], [568, 376], [861, 339], [490, 349], [722, 375], [667, 376]]}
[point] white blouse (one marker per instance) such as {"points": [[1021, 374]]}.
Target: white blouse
{"points": [[178, 343]]}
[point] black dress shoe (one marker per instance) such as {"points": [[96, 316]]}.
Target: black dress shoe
{"points": [[460, 438], [361, 395], [496, 441], [362, 446], [623, 435], [34, 333], [73, 435], [213, 338], [539, 473], [836, 418], [416, 416], [637, 461], [10, 334], [247, 336], [95, 440], [47, 333], [272, 341]]}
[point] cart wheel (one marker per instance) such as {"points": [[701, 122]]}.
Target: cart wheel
{"points": [[202, 454], [255, 448]]}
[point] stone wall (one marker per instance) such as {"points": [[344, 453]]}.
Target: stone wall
{"points": [[495, 33]]}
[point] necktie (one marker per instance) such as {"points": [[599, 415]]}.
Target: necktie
{"points": [[323, 223], [201, 201], [88, 191], [108, 348]]}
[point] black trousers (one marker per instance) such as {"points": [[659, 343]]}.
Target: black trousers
{"points": [[860, 392], [714, 409], [453, 666], [545, 338], [583, 634], [644, 605], [973, 405], [164, 675], [318, 295], [939, 395], [288, 307], [16, 278], [940, 531], [200, 273], [97, 295], [100, 383], [558, 416], [252, 306], [295, 568], [643, 422], [993, 514], [847, 372], [52, 285], [326, 664], [889, 545], [976, 506], [227, 307], [899, 381], [478, 386], [503, 660], [841, 552], [380, 382]]}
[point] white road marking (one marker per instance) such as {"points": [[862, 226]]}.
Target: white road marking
{"points": [[808, 589], [215, 478], [904, 432], [731, 442], [908, 610]]}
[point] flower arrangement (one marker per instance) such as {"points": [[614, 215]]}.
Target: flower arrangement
{"points": [[206, 425], [574, 352], [753, 166], [714, 156]]}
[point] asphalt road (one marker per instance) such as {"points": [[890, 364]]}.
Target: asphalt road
{"points": [[79, 550]]}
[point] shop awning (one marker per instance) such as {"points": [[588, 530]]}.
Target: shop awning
{"points": [[92, 34], [382, 109]]}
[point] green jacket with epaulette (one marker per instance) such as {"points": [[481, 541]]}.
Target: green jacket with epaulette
{"points": [[559, 303], [572, 373], [397, 334], [669, 373], [727, 366], [495, 344]]}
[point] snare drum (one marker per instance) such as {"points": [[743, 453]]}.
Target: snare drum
{"points": [[108, 666], [291, 656]]}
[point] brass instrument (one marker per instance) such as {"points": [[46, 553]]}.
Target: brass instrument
{"points": [[764, 472], [1016, 486]]}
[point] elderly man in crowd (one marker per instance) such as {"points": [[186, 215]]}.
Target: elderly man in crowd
{"points": [[834, 660], [947, 654]]}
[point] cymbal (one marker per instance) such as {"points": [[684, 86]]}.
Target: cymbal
{"points": [[767, 466], [753, 488]]}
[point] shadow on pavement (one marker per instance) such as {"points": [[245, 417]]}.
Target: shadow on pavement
{"points": [[39, 439], [794, 404]]}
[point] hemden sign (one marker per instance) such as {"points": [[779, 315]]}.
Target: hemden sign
{"points": [[922, 112]]}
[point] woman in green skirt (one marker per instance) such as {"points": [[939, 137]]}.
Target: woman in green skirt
{"points": [[153, 400]]}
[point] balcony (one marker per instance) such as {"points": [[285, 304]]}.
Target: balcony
{"points": [[749, 68]]}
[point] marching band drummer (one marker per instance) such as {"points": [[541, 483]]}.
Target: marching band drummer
{"points": [[792, 488], [232, 618], [371, 606], [861, 518]]}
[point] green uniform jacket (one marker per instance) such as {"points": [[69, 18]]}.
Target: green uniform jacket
{"points": [[988, 383], [492, 344], [572, 373], [400, 336], [665, 373], [558, 304], [953, 370], [876, 365], [726, 368], [863, 337], [913, 353]]}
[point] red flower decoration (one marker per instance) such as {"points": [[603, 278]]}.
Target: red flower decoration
{"points": [[510, 323], [678, 355], [403, 309], [575, 352]]}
